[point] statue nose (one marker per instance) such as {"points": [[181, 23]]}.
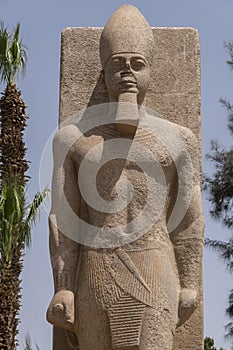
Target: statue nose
{"points": [[127, 70], [127, 65]]}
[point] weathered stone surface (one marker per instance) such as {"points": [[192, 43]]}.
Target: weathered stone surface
{"points": [[175, 78], [174, 93], [174, 89]]}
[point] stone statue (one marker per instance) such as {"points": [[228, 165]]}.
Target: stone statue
{"points": [[133, 286]]}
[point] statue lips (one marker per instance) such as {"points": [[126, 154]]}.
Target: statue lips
{"points": [[127, 80]]}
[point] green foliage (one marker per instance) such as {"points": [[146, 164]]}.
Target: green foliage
{"points": [[229, 312], [224, 250], [11, 215], [229, 46], [220, 195], [13, 54], [16, 218], [209, 344], [220, 186], [28, 343]]}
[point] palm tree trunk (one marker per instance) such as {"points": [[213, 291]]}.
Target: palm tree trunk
{"points": [[13, 164], [12, 169], [10, 297]]}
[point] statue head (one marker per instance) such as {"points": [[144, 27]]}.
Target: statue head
{"points": [[126, 52]]}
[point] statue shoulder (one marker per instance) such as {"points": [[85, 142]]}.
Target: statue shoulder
{"points": [[188, 137], [65, 138], [184, 132], [174, 135]]}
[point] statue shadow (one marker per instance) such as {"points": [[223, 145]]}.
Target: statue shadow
{"points": [[99, 94]]}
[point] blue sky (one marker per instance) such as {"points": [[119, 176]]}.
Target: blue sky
{"points": [[41, 25]]}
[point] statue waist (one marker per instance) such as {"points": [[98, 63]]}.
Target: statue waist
{"points": [[130, 248]]}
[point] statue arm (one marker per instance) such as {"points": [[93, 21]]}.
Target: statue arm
{"points": [[187, 237], [64, 252]]}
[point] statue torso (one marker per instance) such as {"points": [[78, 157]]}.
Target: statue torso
{"points": [[144, 158]]}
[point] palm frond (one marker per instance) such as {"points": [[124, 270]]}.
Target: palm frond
{"points": [[13, 54], [18, 52], [31, 215], [16, 218], [28, 343], [12, 203], [4, 61]]}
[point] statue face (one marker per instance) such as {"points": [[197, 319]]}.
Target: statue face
{"points": [[127, 72]]}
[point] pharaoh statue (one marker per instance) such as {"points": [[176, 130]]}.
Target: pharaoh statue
{"points": [[134, 177]]}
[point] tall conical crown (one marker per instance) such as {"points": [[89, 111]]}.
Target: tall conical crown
{"points": [[127, 30]]}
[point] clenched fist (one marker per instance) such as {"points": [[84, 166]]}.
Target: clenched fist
{"points": [[61, 310]]}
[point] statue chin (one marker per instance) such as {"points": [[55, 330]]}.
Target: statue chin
{"points": [[61, 310], [187, 304]]}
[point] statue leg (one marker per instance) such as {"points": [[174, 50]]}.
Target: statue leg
{"points": [[158, 330], [92, 322], [93, 330]]}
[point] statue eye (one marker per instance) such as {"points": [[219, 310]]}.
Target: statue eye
{"points": [[137, 64], [117, 63]]}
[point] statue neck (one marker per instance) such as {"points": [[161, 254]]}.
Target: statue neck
{"points": [[127, 114]]}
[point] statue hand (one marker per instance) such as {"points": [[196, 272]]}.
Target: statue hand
{"points": [[187, 304], [61, 310]]}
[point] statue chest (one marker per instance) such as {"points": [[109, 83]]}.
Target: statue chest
{"points": [[124, 174]]}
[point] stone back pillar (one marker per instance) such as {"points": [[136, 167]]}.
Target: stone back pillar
{"points": [[174, 93]]}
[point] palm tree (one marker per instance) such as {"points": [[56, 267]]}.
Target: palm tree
{"points": [[16, 217]]}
